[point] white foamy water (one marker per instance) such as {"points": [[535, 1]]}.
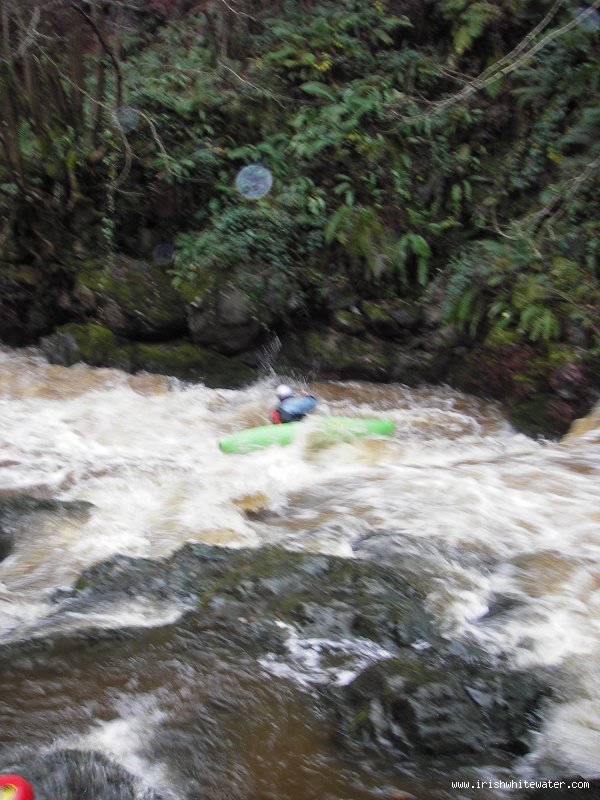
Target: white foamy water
{"points": [[500, 517], [312, 661]]}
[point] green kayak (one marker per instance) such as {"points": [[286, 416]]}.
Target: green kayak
{"points": [[334, 428]]}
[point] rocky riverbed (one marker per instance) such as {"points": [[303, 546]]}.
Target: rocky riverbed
{"points": [[389, 691]]}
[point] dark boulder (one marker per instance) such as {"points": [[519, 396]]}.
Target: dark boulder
{"points": [[429, 699], [334, 354], [74, 774], [30, 302], [431, 704], [391, 688], [544, 387]]}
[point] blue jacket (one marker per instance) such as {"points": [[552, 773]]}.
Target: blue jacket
{"points": [[294, 408]]}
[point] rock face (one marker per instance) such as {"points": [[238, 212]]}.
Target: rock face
{"points": [[224, 322], [128, 315], [392, 320], [133, 298], [347, 352], [30, 302], [543, 392]]}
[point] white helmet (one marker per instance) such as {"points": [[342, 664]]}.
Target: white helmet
{"points": [[283, 391]]}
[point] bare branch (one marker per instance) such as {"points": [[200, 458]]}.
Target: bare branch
{"points": [[30, 34], [106, 47], [249, 83], [494, 73]]}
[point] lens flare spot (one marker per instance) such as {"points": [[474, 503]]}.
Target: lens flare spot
{"points": [[254, 181], [126, 117], [163, 254]]}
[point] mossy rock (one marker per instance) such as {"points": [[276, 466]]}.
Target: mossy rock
{"points": [[98, 346], [189, 362], [91, 343], [349, 321], [135, 298], [223, 319], [543, 388], [427, 705], [392, 319], [337, 355]]}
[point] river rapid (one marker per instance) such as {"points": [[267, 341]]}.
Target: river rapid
{"points": [[143, 450]]}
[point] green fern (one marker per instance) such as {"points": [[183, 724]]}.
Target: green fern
{"points": [[539, 323], [469, 21], [409, 246]]}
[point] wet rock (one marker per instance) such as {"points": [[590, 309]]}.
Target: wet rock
{"points": [[22, 511], [500, 605], [134, 298], [427, 699], [544, 388], [349, 321], [6, 543], [90, 343], [74, 774], [413, 367], [332, 354], [223, 321], [194, 569], [434, 705], [98, 346], [392, 320]]}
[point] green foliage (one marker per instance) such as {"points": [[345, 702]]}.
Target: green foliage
{"points": [[361, 235], [263, 249], [469, 21], [306, 46], [497, 286], [377, 179], [412, 244]]}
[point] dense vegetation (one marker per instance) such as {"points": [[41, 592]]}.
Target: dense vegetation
{"points": [[435, 150]]}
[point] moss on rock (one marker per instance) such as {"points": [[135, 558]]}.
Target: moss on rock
{"points": [[98, 346], [190, 362], [337, 355], [135, 298], [542, 389], [392, 319], [349, 321]]}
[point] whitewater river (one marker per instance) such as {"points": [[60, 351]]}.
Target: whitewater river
{"points": [[143, 450]]}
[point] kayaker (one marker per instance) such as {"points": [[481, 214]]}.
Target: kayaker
{"points": [[292, 407]]}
